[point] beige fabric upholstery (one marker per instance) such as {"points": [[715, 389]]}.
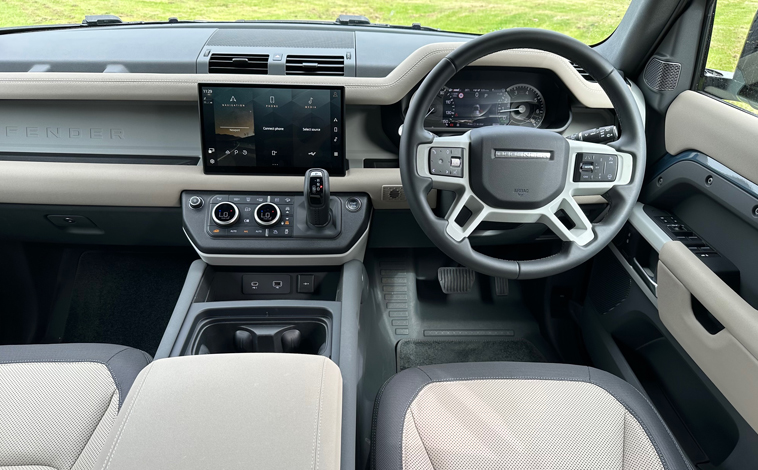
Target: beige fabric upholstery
{"points": [[230, 411], [55, 415], [522, 424]]}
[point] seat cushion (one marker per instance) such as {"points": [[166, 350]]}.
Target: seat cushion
{"points": [[58, 402], [517, 416]]}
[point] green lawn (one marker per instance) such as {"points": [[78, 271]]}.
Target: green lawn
{"points": [[588, 20]]}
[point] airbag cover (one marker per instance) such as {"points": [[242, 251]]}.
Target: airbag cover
{"points": [[517, 167]]}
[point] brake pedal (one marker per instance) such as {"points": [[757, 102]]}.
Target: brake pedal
{"points": [[456, 280]]}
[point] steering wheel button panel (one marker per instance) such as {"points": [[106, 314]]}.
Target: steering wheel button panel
{"points": [[446, 161], [596, 167]]}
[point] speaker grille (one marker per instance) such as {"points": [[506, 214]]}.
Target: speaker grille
{"points": [[661, 75]]}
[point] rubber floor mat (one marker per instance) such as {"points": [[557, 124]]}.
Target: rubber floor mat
{"points": [[413, 352]]}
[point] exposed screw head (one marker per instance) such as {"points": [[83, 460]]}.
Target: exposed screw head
{"points": [[708, 180], [660, 180], [755, 211]]}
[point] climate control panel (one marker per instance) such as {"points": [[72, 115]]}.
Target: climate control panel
{"points": [[272, 223], [251, 216]]}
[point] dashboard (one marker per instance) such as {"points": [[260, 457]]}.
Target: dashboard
{"points": [[491, 96], [77, 137]]}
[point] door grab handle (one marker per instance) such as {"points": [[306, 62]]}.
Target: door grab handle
{"points": [[647, 275]]}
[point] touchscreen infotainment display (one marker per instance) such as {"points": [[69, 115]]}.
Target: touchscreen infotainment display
{"points": [[272, 130]]}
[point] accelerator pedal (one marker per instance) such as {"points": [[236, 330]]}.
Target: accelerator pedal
{"points": [[456, 280], [501, 286]]}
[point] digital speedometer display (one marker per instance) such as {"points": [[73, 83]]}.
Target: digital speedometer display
{"points": [[476, 107], [469, 108]]}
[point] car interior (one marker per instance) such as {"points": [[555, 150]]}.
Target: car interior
{"points": [[343, 244]]}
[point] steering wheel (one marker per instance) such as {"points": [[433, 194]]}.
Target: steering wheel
{"points": [[522, 175]]}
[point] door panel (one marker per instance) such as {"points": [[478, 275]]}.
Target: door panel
{"points": [[728, 357], [695, 121]]}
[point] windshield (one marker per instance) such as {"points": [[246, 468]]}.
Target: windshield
{"points": [[588, 20]]}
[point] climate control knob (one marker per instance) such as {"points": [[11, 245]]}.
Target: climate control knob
{"points": [[225, 213], [267, 214]]}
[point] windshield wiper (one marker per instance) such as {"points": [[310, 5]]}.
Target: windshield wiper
{"points": [[352, 20], [359, 20], [101, 20], [113, 20]]}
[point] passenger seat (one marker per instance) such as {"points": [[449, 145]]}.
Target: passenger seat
{"points": [[58, 402]]}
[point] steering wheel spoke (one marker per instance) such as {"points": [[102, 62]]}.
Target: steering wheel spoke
{"points": [[465, 216], [567, 220]]}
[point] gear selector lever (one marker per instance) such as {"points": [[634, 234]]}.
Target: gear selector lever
{"points": [[317, 197]]}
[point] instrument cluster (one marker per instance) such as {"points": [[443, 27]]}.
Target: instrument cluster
{"points": [[481, 97]]}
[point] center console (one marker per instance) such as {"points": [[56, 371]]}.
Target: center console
{"points": [[280, 272], [294, 310]]}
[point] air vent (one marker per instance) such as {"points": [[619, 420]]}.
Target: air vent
{"points": [[315, 65], [256, 64], [584, 73]]}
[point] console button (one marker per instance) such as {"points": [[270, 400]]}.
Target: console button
{"points": [[216, 231], [238, 199], [353, 204], [217, 199], [247, 211], [305, 283], [287, 210], [267, 214], [196, 202], [266, 284], [225, 213]]}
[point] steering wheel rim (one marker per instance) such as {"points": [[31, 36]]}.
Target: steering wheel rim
{"points": [[621, 195]]}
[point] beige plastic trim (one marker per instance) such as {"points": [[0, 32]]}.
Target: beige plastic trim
{"points": [[358, 90], [730, 357], [695, 121], [92, 184]]}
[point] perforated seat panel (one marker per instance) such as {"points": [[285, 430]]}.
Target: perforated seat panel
{"points": [[518, 416]]}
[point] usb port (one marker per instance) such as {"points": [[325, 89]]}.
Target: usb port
{"points": [[277, 284]]}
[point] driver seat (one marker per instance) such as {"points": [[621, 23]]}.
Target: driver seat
{"points": [[510, 415]]}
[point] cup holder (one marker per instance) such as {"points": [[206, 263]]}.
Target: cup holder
{"points": [[277, 336]]}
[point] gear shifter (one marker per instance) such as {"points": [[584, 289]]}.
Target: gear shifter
{"points": [[317, 197]]}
